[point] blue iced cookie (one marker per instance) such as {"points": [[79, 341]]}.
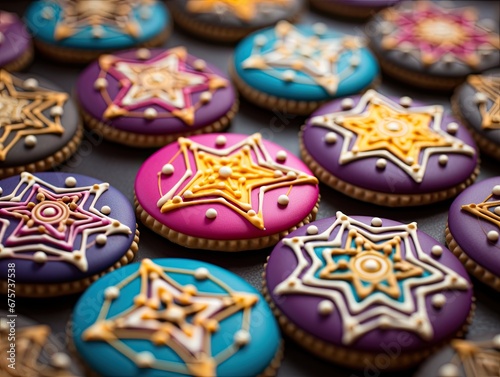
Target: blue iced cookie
{"points": [[297, 68], [175, 317], [79, 31]]}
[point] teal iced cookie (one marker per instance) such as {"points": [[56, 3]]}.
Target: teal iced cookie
{"points": [[175, 317], [79, 31], [297, 68]]}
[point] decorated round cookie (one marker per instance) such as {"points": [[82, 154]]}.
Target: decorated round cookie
{"points": [[297, 68], [79, 31], [389, 151], [59, 232], [473, 230], [16, 48], [477, 103], [473, 357], [363, 291], [360, 9], [426, 45], [175, 317], [229, 20], [36, 352], [148, 98], [225, 192], [39, 124]]}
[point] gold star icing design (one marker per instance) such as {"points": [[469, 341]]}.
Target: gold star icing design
{"points": [[378, 286], [488, 209], [379, 127], [173, 315], [488, 89], [305, 59], [245, 10], [23, 111], [78, 16], [31, 342], [229, 176], [165, 81]]}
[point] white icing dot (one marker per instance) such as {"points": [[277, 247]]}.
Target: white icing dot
{"points": [[260, 40], [283, 200], [100, 83], [70, 182], [30, 84], [167, 169], [48, 212], [496, 190], [145, 13], [443, 159], [289, 75], [381, 163], [347, 104], [449, 370], [111, 293], [406, 47], [188, 194], [496, 210], [150, 113], [278, 173], [355, 61], [331, 137], [480, 98], [405, 101], [281, 155], [60, 360], [200, 64], [201, 273], [438, 300], [30, 141], [220, 140], [448, 59], [225, 172], [371, 265], [325, 307], [40, 257], [205, 97], [312, 229], [211, 213], [101, 239], [174, 314], [56, 111], [452, 128], [176, 199], [242, 338], [496, 341], [105, 210], [47, 13], [320, 28], [251, 213], [437, 250], [143, 53], [493, 236], [385, 27], [144, 359], [1, 191], [291, 174], [376, 221]]}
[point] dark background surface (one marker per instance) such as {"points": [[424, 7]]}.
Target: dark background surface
{"points": [[118, 165]]}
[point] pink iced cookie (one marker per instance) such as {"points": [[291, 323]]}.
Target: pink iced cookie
{"points": [[225, 192]]}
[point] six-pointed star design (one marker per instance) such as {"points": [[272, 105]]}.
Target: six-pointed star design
{"points": [[378, 309], [313, 59], [490, 87], [379, 127], [165, 81], [228, 176], [171, 315], [22, 112]]}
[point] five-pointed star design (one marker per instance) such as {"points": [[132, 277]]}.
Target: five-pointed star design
{"points": [[488, 209], [165, 81], [245, 10], [379, 127], [77, 16], [52, 220], [432, 33], [490, 87], [312, 60], [229, 176], [171, 315], [478, 358], [406, 310], [22, 113]]}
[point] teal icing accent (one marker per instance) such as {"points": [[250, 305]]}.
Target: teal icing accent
{"points": [[249, 360], [43, 28], [364, 75]]}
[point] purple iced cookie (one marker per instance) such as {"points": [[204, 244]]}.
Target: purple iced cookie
{"points": [[364, 291], [389, 151], [59, 232], [360, 9], [16, 49], [473, 230], [148, 98]]}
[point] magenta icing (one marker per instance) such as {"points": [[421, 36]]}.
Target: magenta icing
{"points": [[228, 225], [14, 39], [93, 103], [470, 231]]}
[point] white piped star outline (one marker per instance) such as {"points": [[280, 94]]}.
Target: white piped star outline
{"points": [[377, 310], [421, 137], [53, 223]]}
